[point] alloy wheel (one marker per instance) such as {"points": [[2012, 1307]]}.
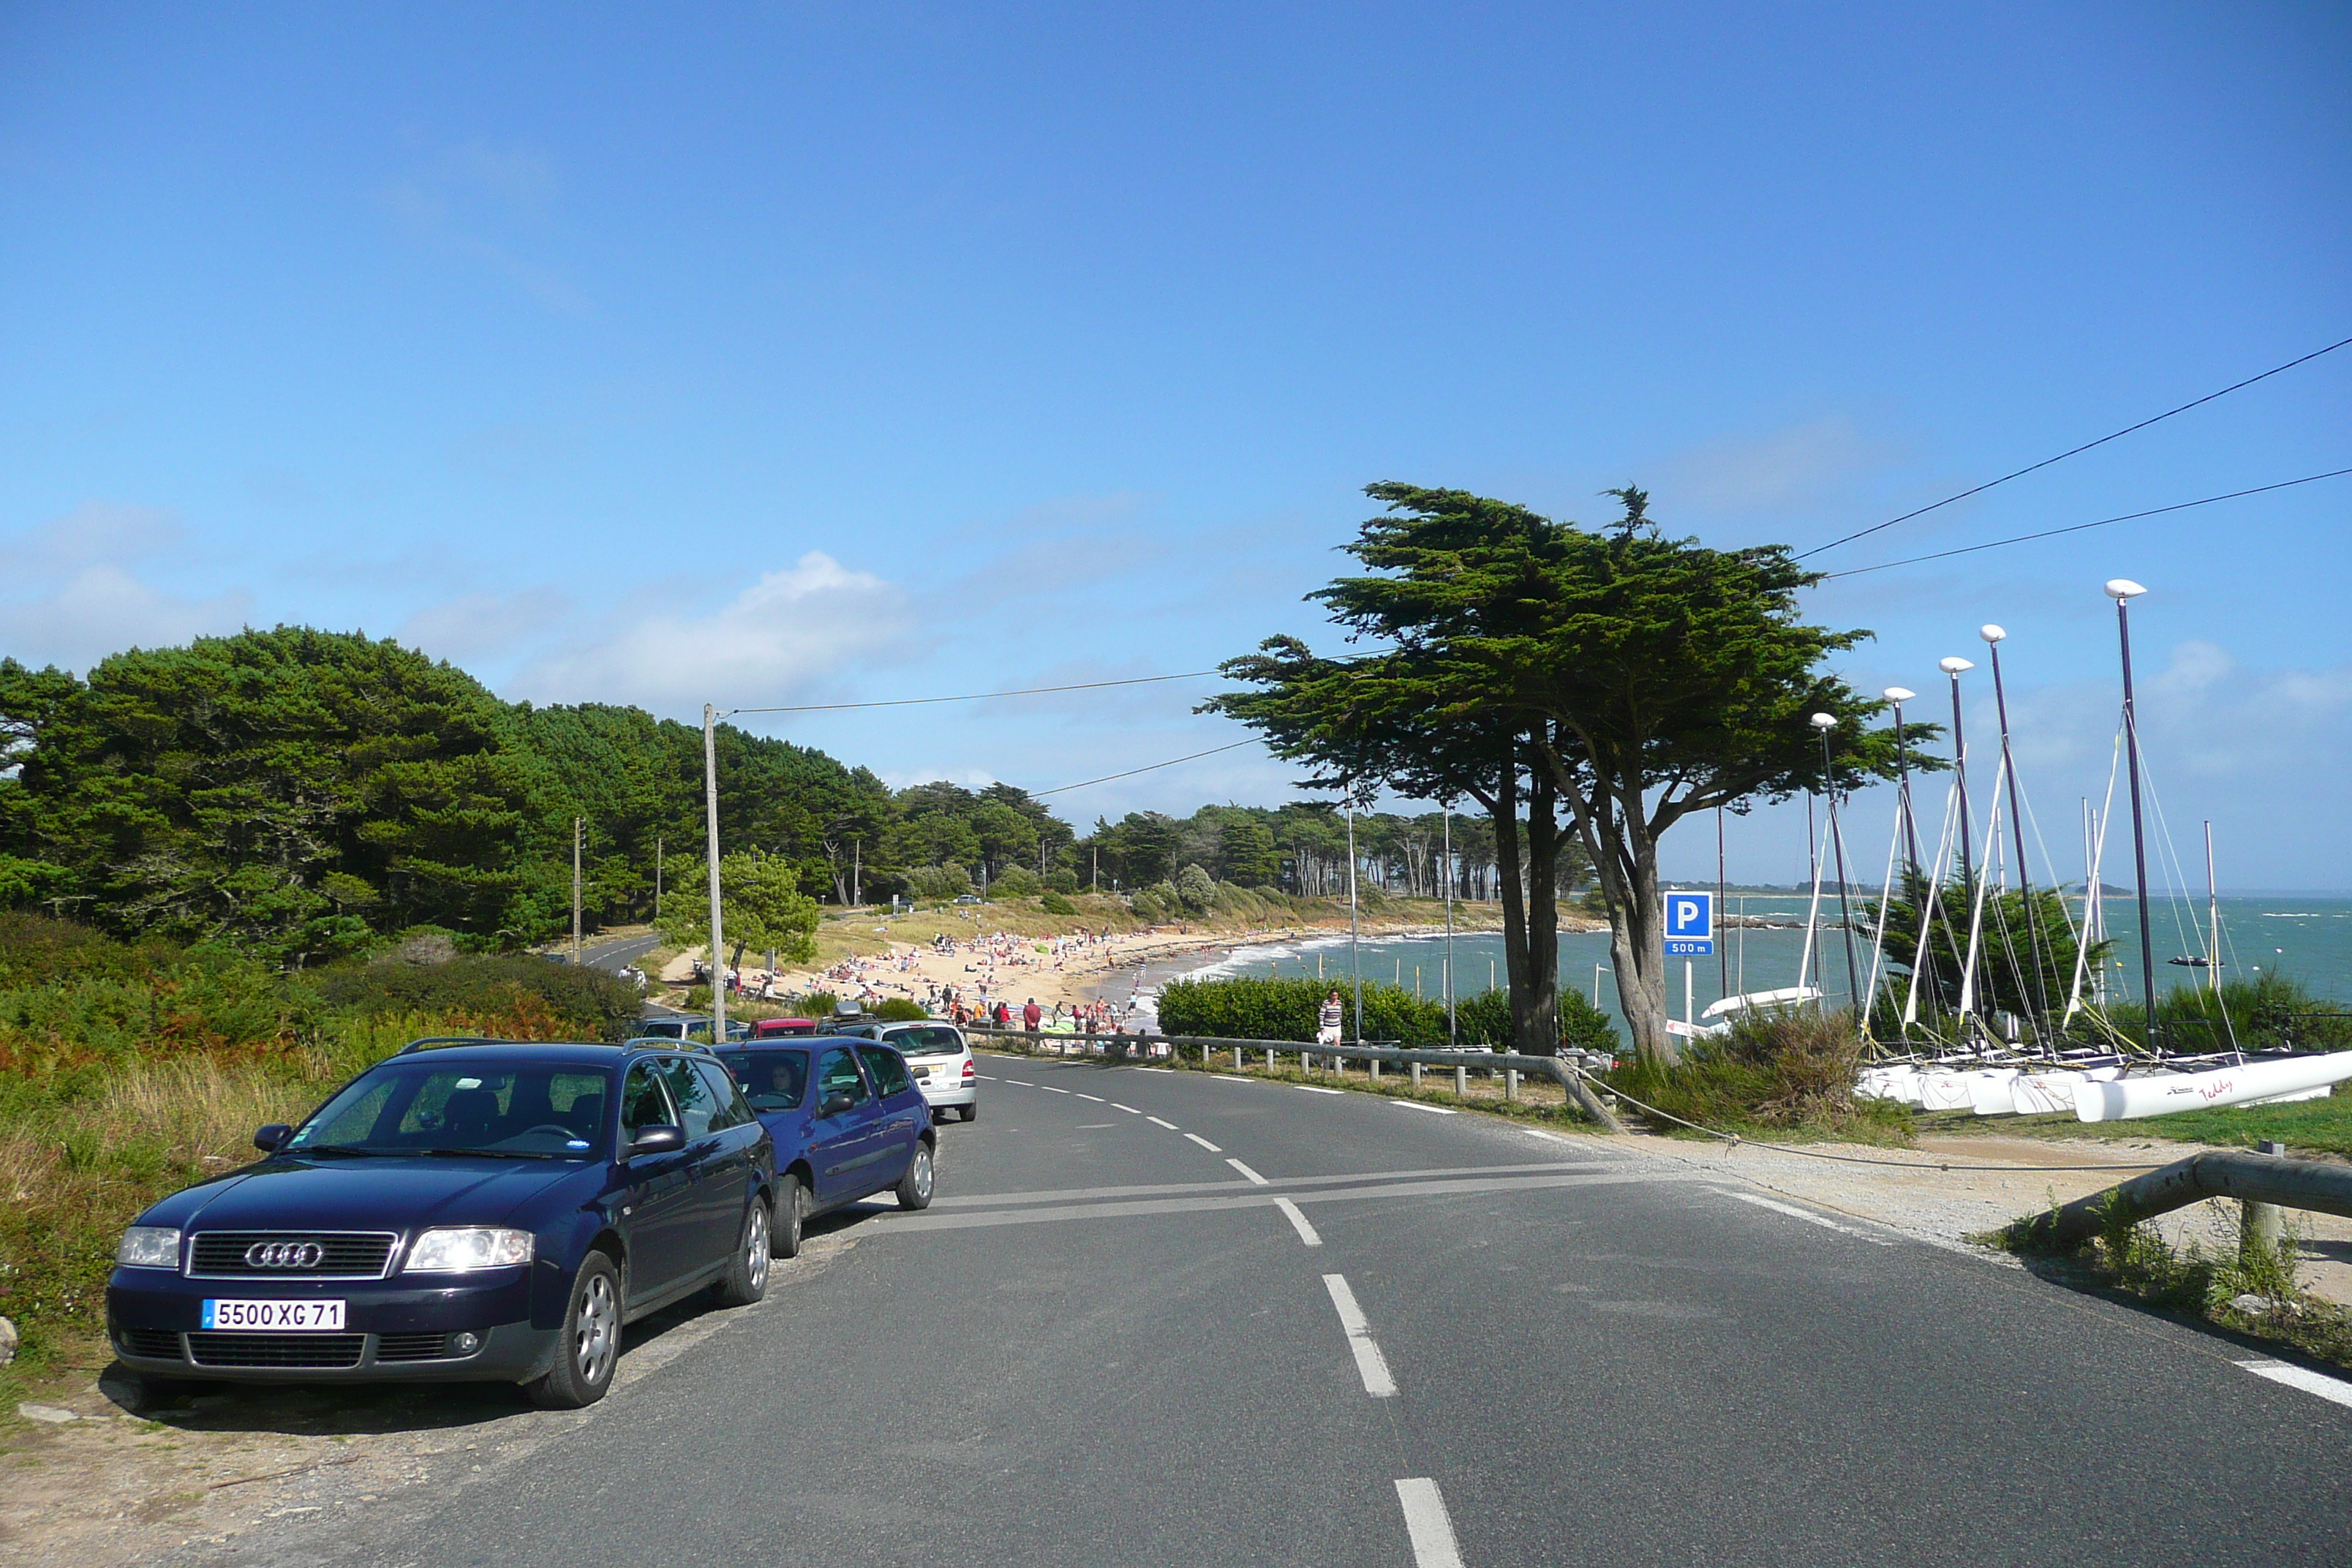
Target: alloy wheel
{"points": [[598, 1332], [755, 1247]]}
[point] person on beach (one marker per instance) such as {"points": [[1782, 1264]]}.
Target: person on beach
{"points": [[1032, 1015], [1328, 1034]]}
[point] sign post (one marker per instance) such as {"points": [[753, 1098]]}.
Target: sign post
{"points": [[1690, 932]]}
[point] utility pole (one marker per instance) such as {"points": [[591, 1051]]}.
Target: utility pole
{"points": [[2123, 590], [856, 872], [710, 833], [1094, 865], [575, 893], [658, 870]]}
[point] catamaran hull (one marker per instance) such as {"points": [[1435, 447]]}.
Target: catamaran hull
{"points": [[2126, 1098]]}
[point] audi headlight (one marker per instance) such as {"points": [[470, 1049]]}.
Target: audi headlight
{"points": [[458, 1249], [149, 1246]]}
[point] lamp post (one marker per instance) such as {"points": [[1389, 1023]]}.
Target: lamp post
{"points": [[1825, 723], [2122, 591]]}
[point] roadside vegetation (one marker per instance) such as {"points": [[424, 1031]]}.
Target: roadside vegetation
{"points": [[1772, 1075], [2250, 1290], [129, 1069], [1289, 1008]]}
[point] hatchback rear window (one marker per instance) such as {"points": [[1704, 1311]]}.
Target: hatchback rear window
{"points": [[937, 1041], [771, 1079]]}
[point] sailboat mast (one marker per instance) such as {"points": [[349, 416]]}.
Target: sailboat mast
{"points": [[2213, 919]]}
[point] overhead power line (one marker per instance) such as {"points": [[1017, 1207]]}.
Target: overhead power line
{"points": [[1213, 750], [2076, 451], [2079, 527], [972, 697]]}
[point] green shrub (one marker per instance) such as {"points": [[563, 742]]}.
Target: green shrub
{"points": [[1016, 882], [1062, 880], [1788, 1071], [1287, 1008], [1052, 903], [503, 993], [897, 1010]]}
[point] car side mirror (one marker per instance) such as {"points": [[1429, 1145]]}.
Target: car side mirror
{"points": [[834, 1104], [272, 1138], [659, 1139]]}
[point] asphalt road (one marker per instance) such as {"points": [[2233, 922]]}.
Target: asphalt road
{"points": [[1106, 1344], [613, 953]]}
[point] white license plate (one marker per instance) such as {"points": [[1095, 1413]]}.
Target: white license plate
{"points": [[279, 1317]]}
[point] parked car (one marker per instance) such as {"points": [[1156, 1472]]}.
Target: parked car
{"points": [[780, 1028], [475, 1211], [686, 1026], [937, 1056], [847, 1123]]}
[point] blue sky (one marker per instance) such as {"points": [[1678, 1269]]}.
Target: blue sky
{"points": [[783, 353]]}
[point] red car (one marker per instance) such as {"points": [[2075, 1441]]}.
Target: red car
{"points": [[777, 1029]]}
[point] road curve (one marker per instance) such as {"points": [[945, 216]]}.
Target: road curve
{"points": [[1160, 1318]]}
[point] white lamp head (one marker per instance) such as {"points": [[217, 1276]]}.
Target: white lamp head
{"points": [[1824, 721], [1991, 632], [1953, 665], [1897, 694], [2120, 588]]}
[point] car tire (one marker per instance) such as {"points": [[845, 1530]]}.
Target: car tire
{"points": [[792, 1216], [746, 1280], [915, 1186], [968, 1113], [590, 1347]]}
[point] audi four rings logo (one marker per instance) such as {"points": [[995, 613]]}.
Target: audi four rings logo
{"points": [[284, 1255]]}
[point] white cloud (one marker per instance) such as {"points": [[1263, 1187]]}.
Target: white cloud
{"points": [[1785, 470], [772, 643], [74, 589], [475, 624]]}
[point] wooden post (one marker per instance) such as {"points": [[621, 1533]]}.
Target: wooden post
{"points": [[2258, 1227]]}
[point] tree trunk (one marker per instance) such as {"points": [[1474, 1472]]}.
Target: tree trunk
{"points": [[1637, 941], [1506, 815], [1538, 1021]]}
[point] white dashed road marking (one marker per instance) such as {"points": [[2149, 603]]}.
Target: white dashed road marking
{"points": [[2333, 1389], [1115, 1105], [1416, 1105], [1221, 1076], [1156, 1122], [1049, 1088], [1255, 1180], [1015, 1082], [1370, 1365], [1547, 1137], [1298, 1222], [1096, 1097], [1204, 1144], [1318, 1089], [1425, 1521]]}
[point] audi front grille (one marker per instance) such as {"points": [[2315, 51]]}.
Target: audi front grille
{"points": [[289, 1254], [212, 1348]]}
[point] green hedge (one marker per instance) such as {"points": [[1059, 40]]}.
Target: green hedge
{"points": [[1288, 1009]]}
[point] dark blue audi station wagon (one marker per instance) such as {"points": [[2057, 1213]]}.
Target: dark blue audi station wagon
{"points": [[464, 1211]]}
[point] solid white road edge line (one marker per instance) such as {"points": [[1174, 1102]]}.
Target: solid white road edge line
{"points": [[1306, 1233], [1318, 1089], [1204, 1144], [1255, 1180], [1416, 1105], [2333, 1389], [1793, 1212], [1370, 1365], [1425, 1521], [1153, 1120]]}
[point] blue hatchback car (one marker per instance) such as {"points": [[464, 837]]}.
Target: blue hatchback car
{"points": [[847, 1119], [463, 1211]]}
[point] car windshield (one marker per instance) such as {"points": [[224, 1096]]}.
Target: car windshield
{"points": [[771, 1079], [941, 1041], [519, 1111]]}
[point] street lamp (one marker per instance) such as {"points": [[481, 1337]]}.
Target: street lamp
{"points": [[2122, 591]]}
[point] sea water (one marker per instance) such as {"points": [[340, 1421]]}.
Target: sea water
{"points": [[2306, 938]]}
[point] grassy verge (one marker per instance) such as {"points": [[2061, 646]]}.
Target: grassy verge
{"points": [[2306, 1127], [2205, 1284]]}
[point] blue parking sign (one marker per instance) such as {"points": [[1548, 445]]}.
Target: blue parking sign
{"points": [[1690, 923]]}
